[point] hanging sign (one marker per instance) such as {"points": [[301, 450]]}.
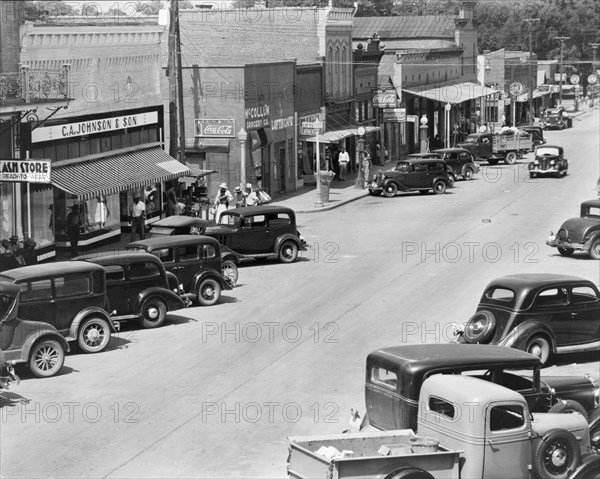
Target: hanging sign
{"points": [[27, 171], [394, 115], [385, 99]]}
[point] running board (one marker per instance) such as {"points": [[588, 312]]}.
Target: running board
{"points": [[579, 348]]}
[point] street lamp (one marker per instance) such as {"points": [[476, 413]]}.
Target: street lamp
{"points": [[423, 134], [360, 180], [317, 124], [447, 109], [562, 41], [242, 137]]}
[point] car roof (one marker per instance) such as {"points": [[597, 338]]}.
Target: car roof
{"points": [[176, 240], [550, 146], [50, 269], [176, 221], [415, 159], [594, 203], [424, 357], [531, 281], [451, 150], [478, 391], [119, 257], [262, 209]]}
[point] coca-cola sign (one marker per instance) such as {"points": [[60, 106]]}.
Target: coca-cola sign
{"points": [[385, 99], [215, 128]]}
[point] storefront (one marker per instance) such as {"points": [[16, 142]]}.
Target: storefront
{"points": [[98, 163]]}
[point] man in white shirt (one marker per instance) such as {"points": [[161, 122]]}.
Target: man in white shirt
{"points": [[138, 213], [343, 160]]}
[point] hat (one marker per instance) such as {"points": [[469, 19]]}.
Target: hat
{"points": [[223, 185], [248, 186], [238, 189], [136, 195]]}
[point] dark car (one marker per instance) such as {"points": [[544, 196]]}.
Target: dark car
{"points": [[556, 118], [194, 259], [580, 233], [549, 160], [420, 172], [69, 295], [37, 344], [187, 225], [138, 287], [259, 232], [536, 132], [461, 162], [394, 376], [542, 314]]}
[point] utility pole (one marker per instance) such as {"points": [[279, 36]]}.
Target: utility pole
{"points": [[531, 22], [172, 74], [562, 41], [181, 141]]}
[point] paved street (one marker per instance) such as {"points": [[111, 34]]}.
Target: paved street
{"points": [[217, 390]]}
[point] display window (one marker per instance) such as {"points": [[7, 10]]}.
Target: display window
{"points": [[97, 215]]}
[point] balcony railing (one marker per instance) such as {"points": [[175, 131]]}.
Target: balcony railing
{"points": [[30, 85]]}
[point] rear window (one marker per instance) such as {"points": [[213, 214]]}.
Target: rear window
{"points": [[164, 254], [384, 377], [441, 406], [550, 298], [592, 212], [114, 273], [501, 295], [583, 294], [279, 219], [72, 285], [143, 270]]}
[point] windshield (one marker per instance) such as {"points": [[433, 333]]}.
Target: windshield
{"points": [[6, 305], [548, 151]]}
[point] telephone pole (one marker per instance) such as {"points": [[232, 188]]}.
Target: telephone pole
{"points": [[176, 113], [531, 22], [181, 141], [562, 41]]}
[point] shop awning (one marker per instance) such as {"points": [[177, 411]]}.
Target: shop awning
{"points": [[453, 94], [536, 94], [337, 135], [217, 145], [111, 174], [195, 175], [261, 138]]}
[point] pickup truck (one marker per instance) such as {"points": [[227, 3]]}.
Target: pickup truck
{"points": [[467, 428], [498, 146]]}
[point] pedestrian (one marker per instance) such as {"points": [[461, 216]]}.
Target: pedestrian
{"points": [[137, 216], [253, 196], [366, 166], [343, 160], [239, 197], [222, 200], [170, 203], [73, 228]]}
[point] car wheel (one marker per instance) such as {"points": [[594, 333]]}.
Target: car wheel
{"points": [[47, 358], [93, 335], [468, 173], [566, 251], [288, 252], [540, 347], [493, 161], [439, 187], [595, 249], [230, 271], [154, 313], [480, 327], [423, 192], [390, 189], [595, 429], [209, 292], [519, 154], [375, 192], [451, 178], [511, 158], [568, 406], [556, 455]]}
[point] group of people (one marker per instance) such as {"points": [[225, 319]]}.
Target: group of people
{"points": [[239, 199]]}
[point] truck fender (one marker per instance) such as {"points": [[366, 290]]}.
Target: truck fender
{"points": [[409, 472], [172, 300], [40, 336], [83, 315], [520, 335], [283, 238], [590, 465]]}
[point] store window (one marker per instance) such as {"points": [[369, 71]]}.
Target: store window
{"points": [[37, 216]]}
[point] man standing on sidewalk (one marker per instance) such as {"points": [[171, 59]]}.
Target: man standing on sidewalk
{"points": [[343, 160], [138, 212]]}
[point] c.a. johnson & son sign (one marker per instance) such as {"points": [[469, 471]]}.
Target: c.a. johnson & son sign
{"points": [[28, 171], [91, 127]]}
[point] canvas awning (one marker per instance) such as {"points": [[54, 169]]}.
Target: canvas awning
{"points": [[337, 135], [453, 94], [536, 94], [111, 174], [195, 175]]}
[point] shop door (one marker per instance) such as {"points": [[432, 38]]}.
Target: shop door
{"points": [[282, 170], [266, 168]]}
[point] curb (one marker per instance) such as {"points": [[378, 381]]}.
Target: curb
{"points": [[337, 204]]}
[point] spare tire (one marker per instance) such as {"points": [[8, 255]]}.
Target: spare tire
{"points": [[480, 327], [569, 406], [557, 455]]}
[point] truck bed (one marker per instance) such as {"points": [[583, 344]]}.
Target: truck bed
{"points": [[366, 462], [501, 143]]}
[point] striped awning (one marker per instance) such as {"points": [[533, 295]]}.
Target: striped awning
{"points": [[111, 174]]}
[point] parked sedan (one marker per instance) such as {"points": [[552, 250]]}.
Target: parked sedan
{"points": [[580, 233], [138, 287], [549, 160], [37, 344], [194, 259], [542, 314], [461, 163]]}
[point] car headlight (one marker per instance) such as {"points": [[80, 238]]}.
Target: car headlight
{"points": [[536, 162], [552, 163]]}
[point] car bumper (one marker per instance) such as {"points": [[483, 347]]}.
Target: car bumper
{"points": [[556, 243], [542, 171], [374, 186]]}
